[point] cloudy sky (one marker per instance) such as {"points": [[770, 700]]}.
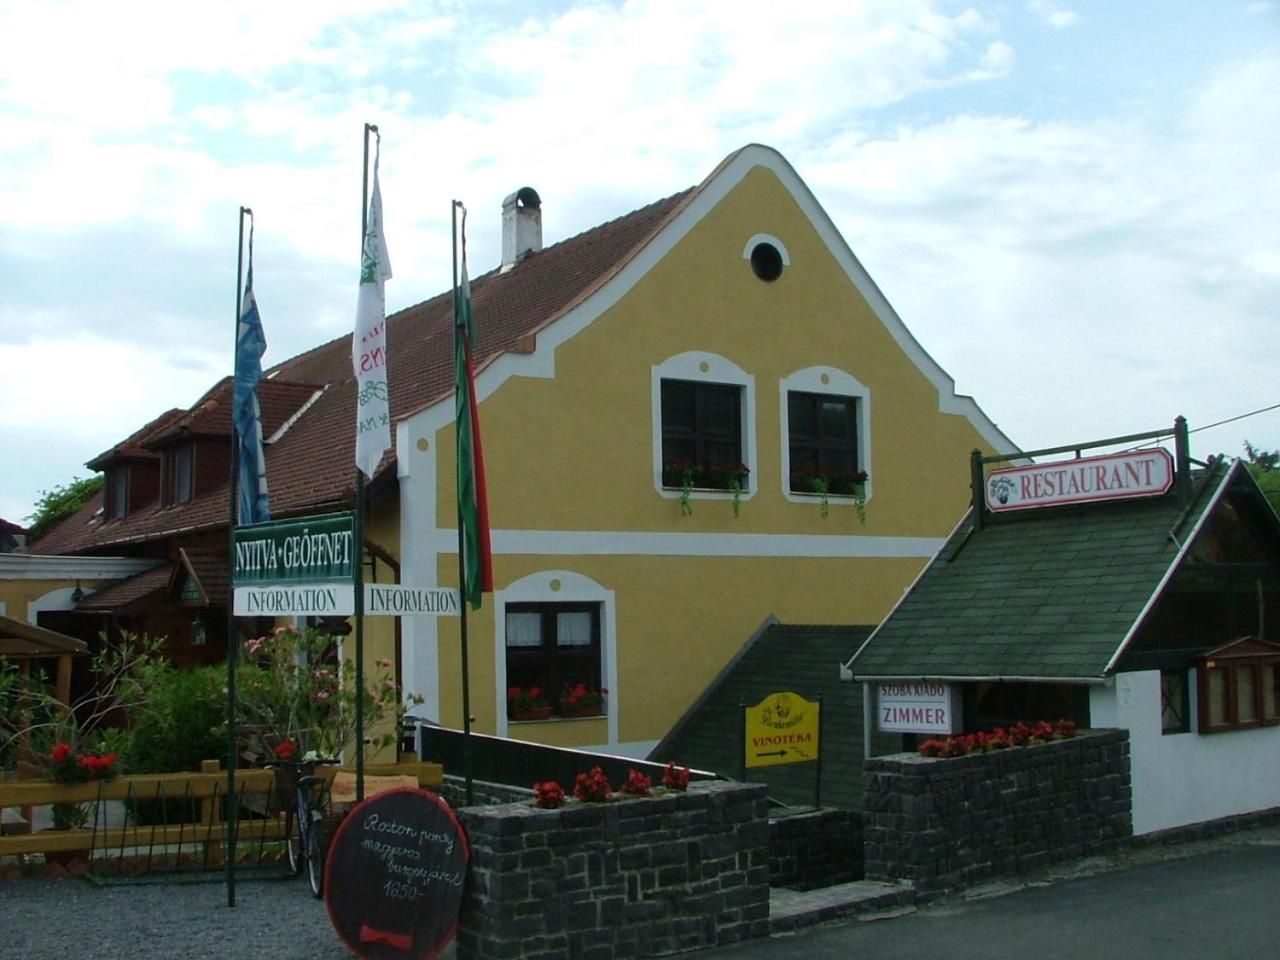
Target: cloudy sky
{"points": [[1075, 206]]}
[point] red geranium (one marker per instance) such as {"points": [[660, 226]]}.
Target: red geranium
{"points": [[592, 787], [675, 778], [637, 785], [548, 795], [286, 750]]}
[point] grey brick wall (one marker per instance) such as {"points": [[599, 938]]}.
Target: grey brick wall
{"points": [[945, 824], [634, 878], [814, 848]]}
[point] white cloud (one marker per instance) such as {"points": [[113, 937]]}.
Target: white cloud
{"points": [[1029, 254], [1054, 15]]}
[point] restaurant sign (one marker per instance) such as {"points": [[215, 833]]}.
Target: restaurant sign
{"points": [[1115, 476], [303, 567]]}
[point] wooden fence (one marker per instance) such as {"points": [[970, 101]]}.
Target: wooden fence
{"points": [[198, 842]]}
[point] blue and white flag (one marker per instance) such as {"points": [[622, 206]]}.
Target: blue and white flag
{"points": [[369, 343], [251, 344]]}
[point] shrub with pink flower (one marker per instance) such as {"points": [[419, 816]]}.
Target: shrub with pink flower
{"points": [[292, 690]]}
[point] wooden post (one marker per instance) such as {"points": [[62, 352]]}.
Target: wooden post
{"points": [[210, 814], [62, 688]]}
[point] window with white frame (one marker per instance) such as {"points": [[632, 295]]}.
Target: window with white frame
{"points": [[825, 419], [704, 423], [553, 655]]}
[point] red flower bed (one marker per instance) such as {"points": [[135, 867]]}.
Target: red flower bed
{"points": [[1019, 735]]}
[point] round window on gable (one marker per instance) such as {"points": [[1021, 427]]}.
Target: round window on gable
{"points": [[766, 262]]}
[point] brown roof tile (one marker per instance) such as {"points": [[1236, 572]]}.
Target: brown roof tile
{"points": [[311, 467], [132, 447], [130, 591]]}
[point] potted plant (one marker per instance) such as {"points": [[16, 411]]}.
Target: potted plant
{"points": [[687, 476], [527, 703], [582, 700], [69, 766], [845, 482]]}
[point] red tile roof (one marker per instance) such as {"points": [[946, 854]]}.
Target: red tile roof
{"points": [[135, 590], [311, 467], [278, 400], [132, 447]]}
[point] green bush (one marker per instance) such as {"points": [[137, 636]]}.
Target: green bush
{"points": [[182, 724]]}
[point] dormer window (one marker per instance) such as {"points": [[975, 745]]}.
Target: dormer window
{"points": [[179, 473], [116, 497]]}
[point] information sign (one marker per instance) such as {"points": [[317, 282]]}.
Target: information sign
{"points": [[395, 600], [394, 878], [303, 567]]}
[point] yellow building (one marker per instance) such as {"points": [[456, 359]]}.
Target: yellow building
{"points": [[730, 328], [663, 400]]}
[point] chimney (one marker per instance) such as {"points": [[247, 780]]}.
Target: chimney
{"points": [[521, 226]]}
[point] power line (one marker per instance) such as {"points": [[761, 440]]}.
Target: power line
{"points": [[1207, 426], [1254, 413]]}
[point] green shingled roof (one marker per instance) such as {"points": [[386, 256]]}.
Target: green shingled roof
{"points": [[1049, 593], [799, 659]]}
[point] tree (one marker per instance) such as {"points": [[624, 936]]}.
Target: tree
{"points": [[59, 503], [1265, 467]]}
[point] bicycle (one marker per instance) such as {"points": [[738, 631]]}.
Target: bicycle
{"points": [[304, 820]]}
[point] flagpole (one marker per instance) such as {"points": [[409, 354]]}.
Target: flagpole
{"points": [[359, 524], [462, 559], [233, 644]]}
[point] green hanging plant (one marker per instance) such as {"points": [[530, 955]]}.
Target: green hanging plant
{"points": [[736, 486], [823, 489], [688, 476], [842, 483]]}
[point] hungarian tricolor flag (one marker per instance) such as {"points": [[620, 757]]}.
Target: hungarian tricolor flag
{"points": [[473, 500]]}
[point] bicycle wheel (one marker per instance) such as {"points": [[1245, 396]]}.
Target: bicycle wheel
{"points": [[315, 855], [293, 843]]}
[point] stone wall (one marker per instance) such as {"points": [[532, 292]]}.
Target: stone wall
{"points": [[454, 791], [945, 824], [814, 848], [632, 878]]}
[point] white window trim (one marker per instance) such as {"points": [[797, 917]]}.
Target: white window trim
{"points": [[837, 383], [706, 368], [558, 586]]}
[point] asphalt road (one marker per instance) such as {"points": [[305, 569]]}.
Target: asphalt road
{"points": [[1203, 901], [1209, 899]]}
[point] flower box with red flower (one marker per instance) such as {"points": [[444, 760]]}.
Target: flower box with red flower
{"points": [[527, 704], [677, 474], [582, 700]]}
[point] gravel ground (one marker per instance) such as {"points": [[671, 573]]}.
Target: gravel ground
{"points": [[72, 918]]}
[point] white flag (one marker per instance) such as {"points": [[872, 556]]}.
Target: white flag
{"points": [[369, 345]]}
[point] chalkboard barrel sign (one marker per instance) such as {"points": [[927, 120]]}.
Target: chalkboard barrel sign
{"points": [[393, 881]]}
